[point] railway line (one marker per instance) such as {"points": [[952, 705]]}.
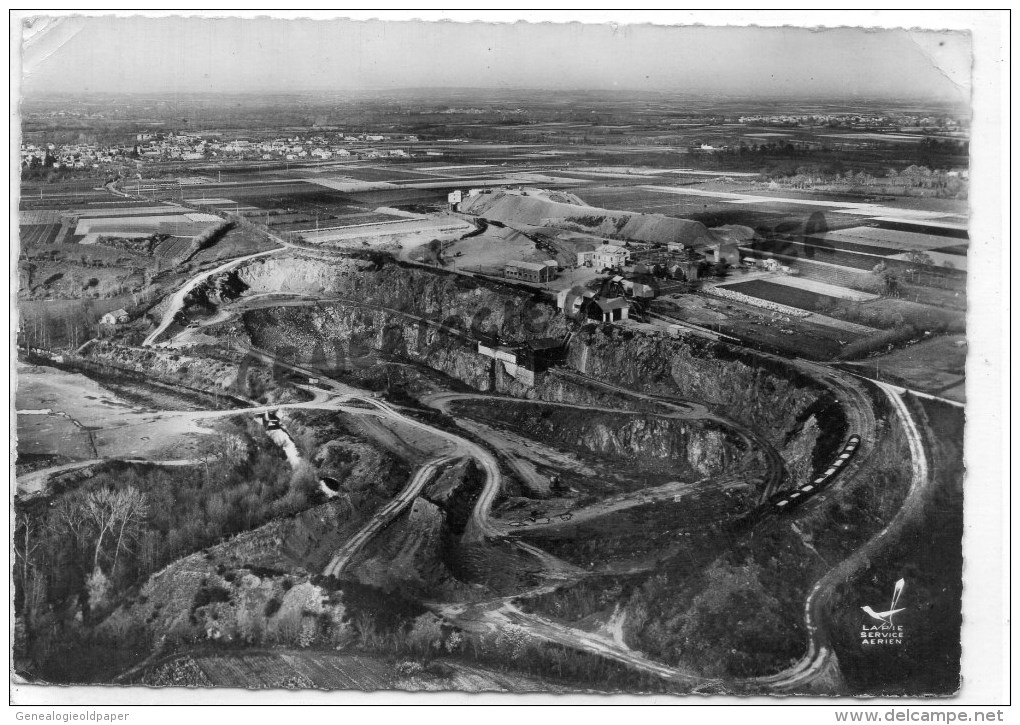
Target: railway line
{"points": [[791, 500], [819, 658]]}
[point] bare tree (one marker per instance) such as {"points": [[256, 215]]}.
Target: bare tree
{"points": [[70, 515], [118, 513], [25, 547], [133, 510], [100, 510]]}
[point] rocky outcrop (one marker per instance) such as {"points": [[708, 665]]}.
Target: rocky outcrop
{"points": [[206, 373], [799, 453], [642, 442], [435, 318], [766, 397]]}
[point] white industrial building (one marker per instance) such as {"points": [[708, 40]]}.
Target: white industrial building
{"points": [[608, 255]]}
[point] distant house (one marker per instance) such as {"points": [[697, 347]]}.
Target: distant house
{"points": [[608, 255], [529, 271], [723, 252], [607, 310], [116, 317], [637, 289], [686, 270]]}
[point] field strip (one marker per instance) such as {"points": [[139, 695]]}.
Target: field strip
{"points": [[906, 215], [397, 226], [911, 138], [702, 172], [400, 169], [456, 167], [944, 223], [118, 224], [354, 185], [823, 288], [129, 211], [845, 207], [892, 238]]}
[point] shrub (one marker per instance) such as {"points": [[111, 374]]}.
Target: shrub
{"points": [[209, 595], [410, 668], [272, 607], [426, 635], [309, 630]]}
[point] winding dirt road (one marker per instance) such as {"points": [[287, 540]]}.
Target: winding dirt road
{"points": [[177, 299], [385, 516]]}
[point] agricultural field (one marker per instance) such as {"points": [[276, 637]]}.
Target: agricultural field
{"points": [[307, 200], [31, 234], [822, 288], [802, 337], [935, 366], [129, 210], [392, 173], [784, 294], [391, 232], [874, 240], [630, 199]]}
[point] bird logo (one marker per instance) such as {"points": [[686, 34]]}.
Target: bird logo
{"points": [[887, 616]]}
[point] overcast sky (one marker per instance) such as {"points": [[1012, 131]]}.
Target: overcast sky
{"points": [[204, 54]]}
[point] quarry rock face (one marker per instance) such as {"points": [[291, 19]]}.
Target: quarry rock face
{"points": [[298, 275], [434, 318], [799, 452], [766, 400]]}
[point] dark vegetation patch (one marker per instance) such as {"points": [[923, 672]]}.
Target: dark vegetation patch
{"points": [[647, 535], [784, 295], [75, 563]]}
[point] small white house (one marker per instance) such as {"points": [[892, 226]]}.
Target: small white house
{"points": [[116, 317]]}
